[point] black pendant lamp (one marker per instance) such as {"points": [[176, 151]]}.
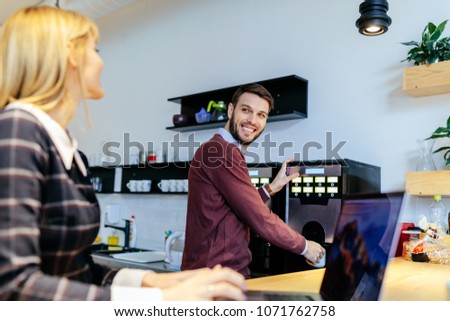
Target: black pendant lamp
{"points": [[374, 20]]}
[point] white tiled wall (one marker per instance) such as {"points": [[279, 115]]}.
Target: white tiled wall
{"points": [[158, 213], [154, 215]]}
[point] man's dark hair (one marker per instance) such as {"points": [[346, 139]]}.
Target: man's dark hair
{"points": [[256, 89]]}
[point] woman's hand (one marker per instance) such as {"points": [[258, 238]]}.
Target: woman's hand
{"points": [[201, 284], [165, 280]]}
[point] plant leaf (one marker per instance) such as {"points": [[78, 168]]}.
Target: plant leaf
{"points": [[430, 28], [441, 130], [410, 43], [441, 26], [442, 149], [435, 35], [432, 49]]}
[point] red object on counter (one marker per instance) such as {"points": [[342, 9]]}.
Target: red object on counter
{"points": [[151, 157], [403, 238]]}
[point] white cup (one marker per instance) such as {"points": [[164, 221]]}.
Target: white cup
{"points": [[145, 185], [173, 185], [164, 185], [133, 185], [180, 185]]}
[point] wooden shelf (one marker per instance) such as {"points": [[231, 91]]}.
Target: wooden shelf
{"points": [[427, 80], [428, 183]]}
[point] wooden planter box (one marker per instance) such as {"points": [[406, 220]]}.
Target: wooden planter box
{"points": [[428, 183], [427, 80]]}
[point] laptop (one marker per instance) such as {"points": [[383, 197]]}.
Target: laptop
{"points": [[365, 239]]}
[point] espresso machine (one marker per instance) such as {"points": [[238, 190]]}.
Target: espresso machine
{"points": [[310, 204]]}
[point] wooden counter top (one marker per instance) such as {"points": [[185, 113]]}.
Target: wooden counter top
{"points": [[404, 280]]}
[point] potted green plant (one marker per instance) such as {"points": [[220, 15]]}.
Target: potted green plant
{"points": [[431, 58], [443, 132], [432, 48]]}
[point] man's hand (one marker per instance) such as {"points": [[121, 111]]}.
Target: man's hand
{"points": [[282, 179], [315, 252]]}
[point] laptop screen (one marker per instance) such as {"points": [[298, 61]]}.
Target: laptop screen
{"points": [[357, 260]]}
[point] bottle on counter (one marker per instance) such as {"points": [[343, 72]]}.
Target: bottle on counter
{"points": [[113, 239], [437, 216], [133, 231], [448, 226]]}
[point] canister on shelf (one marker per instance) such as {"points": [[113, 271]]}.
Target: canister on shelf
{"points": [[151, 157]]}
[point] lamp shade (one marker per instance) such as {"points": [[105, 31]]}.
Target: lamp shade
{"points": [[374, 19]]}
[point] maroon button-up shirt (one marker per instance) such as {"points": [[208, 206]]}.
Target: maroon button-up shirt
{"points": [[222, 207]]}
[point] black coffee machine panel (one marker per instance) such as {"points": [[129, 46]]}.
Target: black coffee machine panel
{"points": [[314, 201], [260, 176], [311, 204]]}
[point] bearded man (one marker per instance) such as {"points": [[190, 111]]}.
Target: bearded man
{"points": [[223, 204]]}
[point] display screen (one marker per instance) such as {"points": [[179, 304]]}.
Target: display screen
{"points": [[315, 171], [253, 172]]}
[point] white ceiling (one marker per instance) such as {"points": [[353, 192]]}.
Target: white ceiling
{"points": [[9, 6], [92, 8]]}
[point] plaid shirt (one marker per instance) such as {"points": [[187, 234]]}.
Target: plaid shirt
{"points": [[49, 215]]}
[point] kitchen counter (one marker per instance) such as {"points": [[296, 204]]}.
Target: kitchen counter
{"points": [[404, 281]]}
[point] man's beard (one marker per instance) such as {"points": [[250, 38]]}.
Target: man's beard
{"points": [[234, 132]]}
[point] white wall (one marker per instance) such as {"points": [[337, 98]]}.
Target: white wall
{"points": [[154, 214], [155, 50]]}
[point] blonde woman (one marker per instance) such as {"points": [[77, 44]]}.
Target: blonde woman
{"points": [[49, 214]]}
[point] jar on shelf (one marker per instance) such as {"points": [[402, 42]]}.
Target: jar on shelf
{"points": [[425, 161]]}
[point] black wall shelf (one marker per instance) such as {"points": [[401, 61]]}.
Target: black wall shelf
{"points": [[290, 94], [154, 172]]}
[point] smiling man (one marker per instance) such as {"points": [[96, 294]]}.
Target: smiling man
{"points": [[223, 204]]}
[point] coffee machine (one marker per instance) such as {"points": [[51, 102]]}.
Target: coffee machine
{"points": [[310, 204]]}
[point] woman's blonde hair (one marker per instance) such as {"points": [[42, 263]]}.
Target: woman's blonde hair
{"points": [[34, 48]]}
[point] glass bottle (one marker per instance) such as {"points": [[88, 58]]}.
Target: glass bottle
{"points": [[425, 162], [437, 216]]}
